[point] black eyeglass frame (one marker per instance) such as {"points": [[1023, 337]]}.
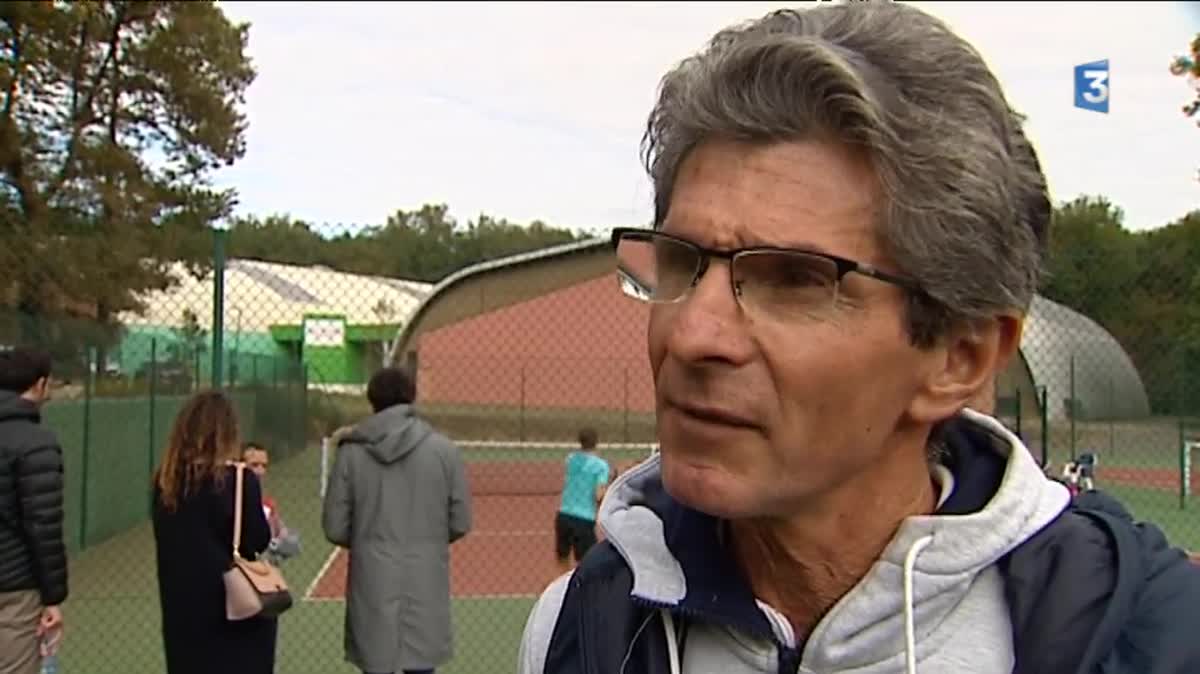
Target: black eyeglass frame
{"points": [[843, 265]]}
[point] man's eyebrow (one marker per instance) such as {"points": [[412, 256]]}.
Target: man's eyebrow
{"points": [[744, 240]]}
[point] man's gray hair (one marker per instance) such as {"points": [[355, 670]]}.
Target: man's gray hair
{"points": [[966, 207]]}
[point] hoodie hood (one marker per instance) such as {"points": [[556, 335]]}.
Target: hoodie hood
{"points": [[994, 497], [389, 435], [14, 407]]}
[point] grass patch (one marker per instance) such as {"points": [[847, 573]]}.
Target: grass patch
{"points": [[1160, 507]]}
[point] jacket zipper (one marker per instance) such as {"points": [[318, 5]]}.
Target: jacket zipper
{"points": [[789, 658]]}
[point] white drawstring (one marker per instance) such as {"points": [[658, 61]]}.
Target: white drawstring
{"points": [[910, 638], [672, 643], [632, 642]]}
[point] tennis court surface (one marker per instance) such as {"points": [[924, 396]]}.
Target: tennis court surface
{"points": [[509, 553]]}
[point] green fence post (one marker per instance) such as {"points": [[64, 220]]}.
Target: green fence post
{"points": [[256, 402], [304, 420], [280, 397], [521, 419], [1045, 414], [1074, 406], [1185, 466], [218, 319], [89, 388], [625, 406], [152, 391], [1112, 418], [1017, 396]]}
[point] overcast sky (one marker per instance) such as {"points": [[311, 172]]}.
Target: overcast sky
{"points": [[535, 111]]}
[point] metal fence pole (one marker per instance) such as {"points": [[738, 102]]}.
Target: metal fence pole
{"points": [[296, 414], [304, 418], [1044, 412], [255, 389], [1185, 466], [89, 388], [1017, 395], [625, 420], [1074, 406], [1112, 414], [324, 477], [152, 395], [218, 319]]}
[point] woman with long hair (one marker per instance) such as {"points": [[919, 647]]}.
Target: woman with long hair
{"points": [[193, 538]]}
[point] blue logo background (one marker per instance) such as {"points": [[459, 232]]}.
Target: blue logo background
{"points": [[1092, 86]]}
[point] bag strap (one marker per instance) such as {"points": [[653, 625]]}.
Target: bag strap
{"points": [[237, 510]]}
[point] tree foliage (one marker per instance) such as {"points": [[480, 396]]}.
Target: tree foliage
{"points": [[1141, 286], [425, 244], [1188, 66], [114, 117]]}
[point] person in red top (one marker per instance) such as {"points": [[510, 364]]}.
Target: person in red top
{"points": [[285, 542]]}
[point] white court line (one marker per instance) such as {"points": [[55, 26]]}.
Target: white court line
{"points": [[527, 533], [317, 600], [496, 596], [320, 574], [566, 446]]}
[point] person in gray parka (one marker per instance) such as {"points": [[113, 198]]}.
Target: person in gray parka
{"points": [[397, 498]]}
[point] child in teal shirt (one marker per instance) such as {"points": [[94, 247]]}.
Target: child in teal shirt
{"points": [[586, 477]]}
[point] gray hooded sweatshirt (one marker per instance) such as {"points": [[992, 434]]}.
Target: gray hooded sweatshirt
{"points": [[933, 603], [397, 497]]}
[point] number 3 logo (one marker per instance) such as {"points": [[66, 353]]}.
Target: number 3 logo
{"points": [[1097, 86], [1092, 86]]}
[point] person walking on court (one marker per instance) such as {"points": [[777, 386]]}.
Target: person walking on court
{"points": [[193, 519], [397, 498], [33, 557], [586, 478]]}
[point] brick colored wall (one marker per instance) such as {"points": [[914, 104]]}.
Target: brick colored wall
{"points": [[581, 347]]}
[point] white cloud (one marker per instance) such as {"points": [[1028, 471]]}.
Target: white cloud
{"points": [[528, 110]]}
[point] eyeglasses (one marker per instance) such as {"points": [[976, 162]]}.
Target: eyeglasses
{"points": [[782, 283]]}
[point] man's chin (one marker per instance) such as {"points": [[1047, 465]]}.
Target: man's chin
{"points": [[705, 488]]}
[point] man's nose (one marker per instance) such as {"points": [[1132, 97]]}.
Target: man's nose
{"points": [[709, 323]]}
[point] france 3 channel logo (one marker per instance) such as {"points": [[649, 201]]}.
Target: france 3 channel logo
{"points": [[1091, 86]]}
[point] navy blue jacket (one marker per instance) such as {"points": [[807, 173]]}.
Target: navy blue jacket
{"points": [[1092, 593]]}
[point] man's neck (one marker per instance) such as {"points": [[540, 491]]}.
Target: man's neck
{"points": [[803, 564]]}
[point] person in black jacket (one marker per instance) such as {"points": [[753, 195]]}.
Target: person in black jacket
{"points": [[849, 225], [193, 541], [33, 556]]}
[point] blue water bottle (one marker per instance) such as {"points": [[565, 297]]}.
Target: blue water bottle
{"points": [[50, 654]]}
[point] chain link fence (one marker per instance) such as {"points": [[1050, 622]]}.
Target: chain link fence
{"points": [[513, 357]]}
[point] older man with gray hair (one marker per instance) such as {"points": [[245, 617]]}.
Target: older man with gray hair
{"points": [[848, 232]]}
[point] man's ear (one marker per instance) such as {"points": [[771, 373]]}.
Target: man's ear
{"points": [[966, 361]]}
